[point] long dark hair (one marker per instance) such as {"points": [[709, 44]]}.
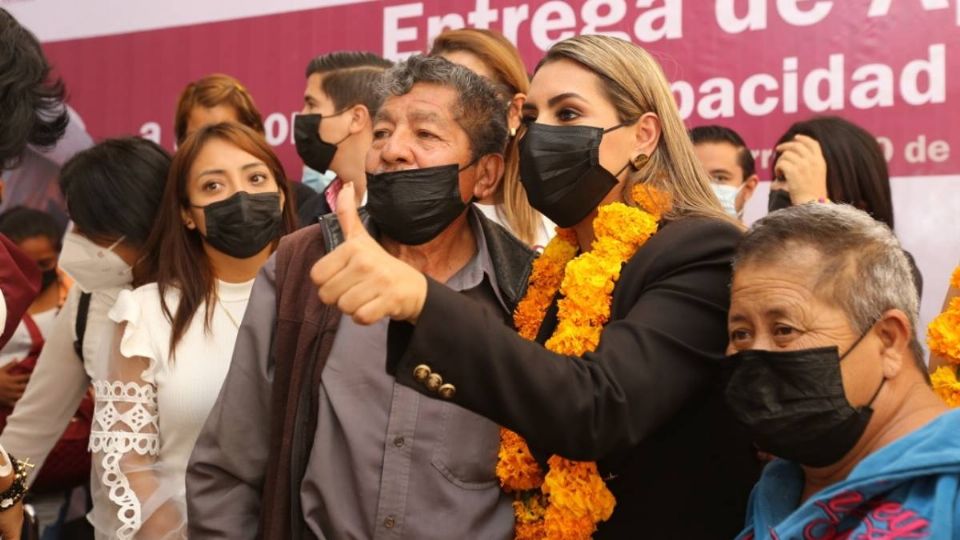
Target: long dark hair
{"points": [[176, 253], [856, 169]]}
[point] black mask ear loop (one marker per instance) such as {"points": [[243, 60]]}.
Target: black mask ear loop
{"points": [[473, 198], [882, 381], [331, 116]]}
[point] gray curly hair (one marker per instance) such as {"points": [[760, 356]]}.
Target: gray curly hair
{"points": [[480, 112]]}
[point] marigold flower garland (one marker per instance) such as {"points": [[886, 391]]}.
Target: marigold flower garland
{"points": [[943, 338], [571, 498]]}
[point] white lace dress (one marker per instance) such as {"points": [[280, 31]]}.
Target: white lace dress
{"points": [[150, 409]]}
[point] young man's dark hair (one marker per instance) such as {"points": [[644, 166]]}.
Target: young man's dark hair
{"points": [[113, 190], [722, 134], [20, 223], [31, 104], [351, 78]]}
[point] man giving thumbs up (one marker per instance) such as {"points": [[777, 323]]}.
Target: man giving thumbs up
{"points": [[351, 452]]}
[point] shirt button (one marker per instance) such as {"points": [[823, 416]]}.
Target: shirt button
{"points": [[421, 372], [434, 381], [390, 522], [399, 442], [447, 391]]}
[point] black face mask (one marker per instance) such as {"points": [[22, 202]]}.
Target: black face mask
{"points": [[314, 151], [560, 169], [48, 278], [414, 206], [793, 404], [779, 198], [242, 225]]}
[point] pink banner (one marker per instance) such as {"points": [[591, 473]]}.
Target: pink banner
{"points": [[755, 65]]}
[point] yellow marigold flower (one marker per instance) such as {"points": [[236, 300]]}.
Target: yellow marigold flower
{"points": [[516, 467], [943, 334], [945, 384], [955, 279], [529, 508]]}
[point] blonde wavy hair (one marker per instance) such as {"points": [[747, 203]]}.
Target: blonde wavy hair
{"points": [[635, 84]]}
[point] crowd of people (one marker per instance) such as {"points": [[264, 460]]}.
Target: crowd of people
{"points": [[494, 306]]}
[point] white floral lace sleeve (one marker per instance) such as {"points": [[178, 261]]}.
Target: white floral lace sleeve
{"points": [[135, 498]]}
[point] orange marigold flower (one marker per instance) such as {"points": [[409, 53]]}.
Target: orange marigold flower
{"points": [[576, 487], [945, 384], [955, 279], [516, 468], [653, 200], [529, 531], [559, 525], [943, 334]]}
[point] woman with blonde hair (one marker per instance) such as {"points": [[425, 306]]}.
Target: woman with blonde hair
{"points": [[611, 395], [491, 55]]}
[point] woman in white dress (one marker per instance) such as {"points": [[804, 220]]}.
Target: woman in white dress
{"points": [[224, 210]]}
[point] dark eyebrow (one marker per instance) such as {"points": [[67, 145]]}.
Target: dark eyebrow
{"points": [[560, 97], [737, 318], [221, 171]]}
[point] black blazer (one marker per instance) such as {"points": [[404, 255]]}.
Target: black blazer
{"points": [[647, 404]]}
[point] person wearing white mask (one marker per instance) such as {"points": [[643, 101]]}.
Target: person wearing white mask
{"points": [[113, 192], [729, 163]]}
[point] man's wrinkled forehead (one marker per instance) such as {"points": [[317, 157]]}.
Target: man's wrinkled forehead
{"points": [[423, 103], [798, 262]]}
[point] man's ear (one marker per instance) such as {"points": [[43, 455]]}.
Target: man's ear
{"points": [[747, 189], [489, 172], [359, 119], [647, 135], [894, 331]]}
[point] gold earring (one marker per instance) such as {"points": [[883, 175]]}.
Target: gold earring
{"points": [[639, 161]]}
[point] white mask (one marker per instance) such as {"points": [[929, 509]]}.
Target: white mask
{"points": [[92, 267], [728, 197]]}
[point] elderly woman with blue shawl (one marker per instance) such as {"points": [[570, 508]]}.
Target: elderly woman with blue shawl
{"points": [[827, 375]]}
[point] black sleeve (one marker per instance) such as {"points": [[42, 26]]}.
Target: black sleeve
{"points": [[670, 331]]}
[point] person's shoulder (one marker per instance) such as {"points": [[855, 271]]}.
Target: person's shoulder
{"points": [[704, 229], [683, 242], [300, 237]]}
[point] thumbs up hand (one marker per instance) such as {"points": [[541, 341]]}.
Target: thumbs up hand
{"points": [[361, 278]]}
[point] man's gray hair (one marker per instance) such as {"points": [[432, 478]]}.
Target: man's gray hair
{"points": [[480, 111], [864, 269]]}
